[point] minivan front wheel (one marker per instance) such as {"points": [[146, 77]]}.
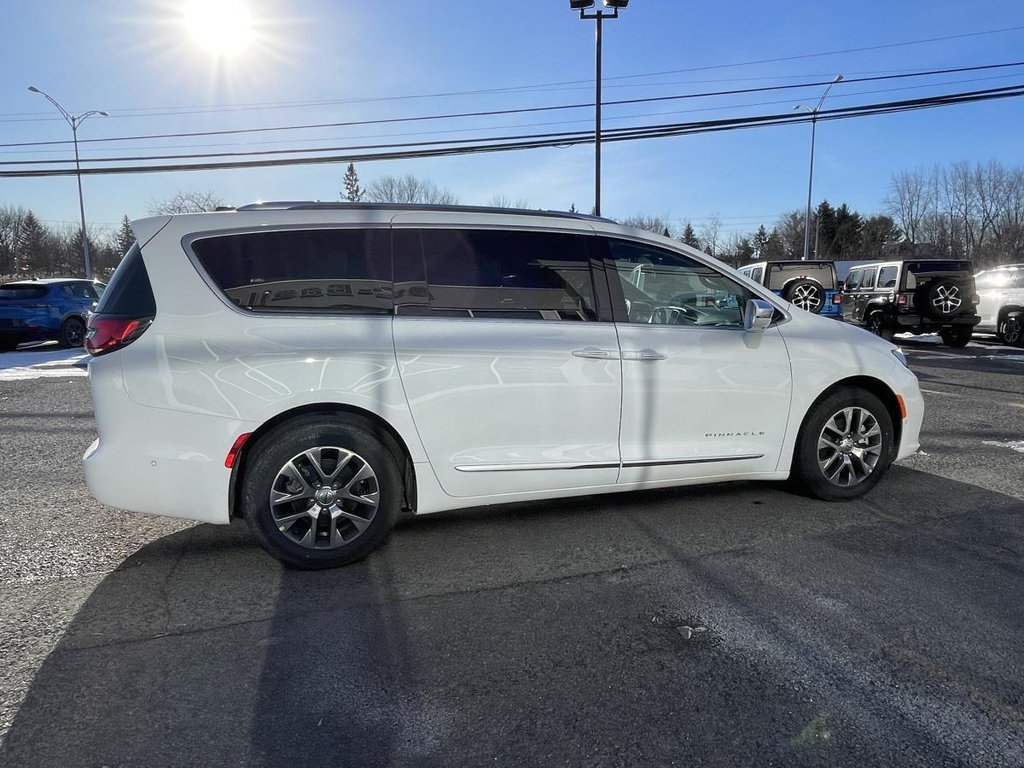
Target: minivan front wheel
{"points": [[845, 445], [319, 495]]}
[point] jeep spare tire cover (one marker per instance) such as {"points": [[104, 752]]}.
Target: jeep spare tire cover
{"points": [[806, 294], [942, 298]]}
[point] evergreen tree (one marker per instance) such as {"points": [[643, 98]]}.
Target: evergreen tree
{"points": [[689, 237], [32, 246], [124, 238], [353, 192], [760, 240]]}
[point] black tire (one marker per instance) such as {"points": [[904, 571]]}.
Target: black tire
{"points": [[941, 299], [6, 345], [808, 295], [808, 472], [286, 445], [877, 325], [1011, 329], [72, 332], [957, 337]]}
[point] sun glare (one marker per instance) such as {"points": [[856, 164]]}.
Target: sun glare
{"points": [[222, 27]]}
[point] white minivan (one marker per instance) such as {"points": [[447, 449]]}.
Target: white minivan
{"points": [[320, 369]]}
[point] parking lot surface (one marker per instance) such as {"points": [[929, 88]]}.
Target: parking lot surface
{"points": [[725, 625]]}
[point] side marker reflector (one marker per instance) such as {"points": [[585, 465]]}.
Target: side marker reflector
{"points": [[236, 448], [899, 399]]}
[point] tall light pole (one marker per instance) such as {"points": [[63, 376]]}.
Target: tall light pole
{"points": [[598, 17], [74, 121], [810, 174]]}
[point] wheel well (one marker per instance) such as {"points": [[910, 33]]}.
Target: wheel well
{"points": [[876, 387], [1004, 311], [387, 434]]}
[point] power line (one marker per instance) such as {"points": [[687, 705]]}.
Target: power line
{"points": [[512, 143], [306, 149], [203, 109], [521, 110]]}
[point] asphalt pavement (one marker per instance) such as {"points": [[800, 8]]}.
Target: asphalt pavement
{"points": [[735, 624]]}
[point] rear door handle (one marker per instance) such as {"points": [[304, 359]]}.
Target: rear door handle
{"points": [[644, 354], [593, 353]]}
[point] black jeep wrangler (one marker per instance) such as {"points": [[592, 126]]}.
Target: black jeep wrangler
{"points": [[913, 296]]}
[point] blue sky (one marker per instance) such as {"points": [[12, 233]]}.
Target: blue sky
{"points": [[97, 55]]}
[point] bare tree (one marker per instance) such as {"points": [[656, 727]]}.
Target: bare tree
{"points": [[656, 224], [186, 202], [504, 201], [408, 189], [710, 232], [908, 202], [11, 218]]}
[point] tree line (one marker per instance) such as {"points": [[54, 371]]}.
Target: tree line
{"points": [[960, 211]]}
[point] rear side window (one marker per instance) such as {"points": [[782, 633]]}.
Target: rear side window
{"points": [[129, 292], [887, 277], [502, 274], [22, 291], [330, 271]]}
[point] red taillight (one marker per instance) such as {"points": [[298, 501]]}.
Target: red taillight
{"points": [[236, 448], [837, 298], [902, 299], [105, 333]]}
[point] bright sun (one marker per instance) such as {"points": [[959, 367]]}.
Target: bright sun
{"points": [[222, 27]]}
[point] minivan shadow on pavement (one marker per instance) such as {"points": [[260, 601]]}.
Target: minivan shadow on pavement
{"points": [[726, 625]]}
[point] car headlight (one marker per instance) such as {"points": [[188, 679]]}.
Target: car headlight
{"points": [[898, 354]]}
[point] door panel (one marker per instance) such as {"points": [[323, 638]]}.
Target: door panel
{"points": [[718, 395], [513, 381], [701, 397], [492, 397]]}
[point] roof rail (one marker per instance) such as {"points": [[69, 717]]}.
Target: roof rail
{"points": [[308, 205]]}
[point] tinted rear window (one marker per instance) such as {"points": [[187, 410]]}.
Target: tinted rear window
{"points": [[129, 291], [921, 267], [23, 291], [515, 275], [317, 270]]}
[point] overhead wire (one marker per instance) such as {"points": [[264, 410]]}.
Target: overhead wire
{"points": [[522, 142]]}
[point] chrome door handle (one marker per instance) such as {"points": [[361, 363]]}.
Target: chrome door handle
{"points": [[644, 354], [593, 353]]}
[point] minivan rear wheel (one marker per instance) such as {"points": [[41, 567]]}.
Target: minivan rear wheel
{"points": [[845, 445], [318, 494]]}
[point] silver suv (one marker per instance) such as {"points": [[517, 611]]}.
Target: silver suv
{"points": [[1001, 305]]}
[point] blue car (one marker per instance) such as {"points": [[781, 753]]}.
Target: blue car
{"points": [[47, 309], [810, 285]]}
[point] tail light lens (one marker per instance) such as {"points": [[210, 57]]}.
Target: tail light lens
{"points": [[902, 299], [106, 333], [837, 298]]}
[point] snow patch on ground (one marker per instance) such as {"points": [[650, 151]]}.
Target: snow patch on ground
{"points": [[1013, 445], [1011, 358], [44, 361]]}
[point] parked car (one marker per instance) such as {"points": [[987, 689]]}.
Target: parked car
{"points": [[913, 296], [1001, 305], [810, 285], [320, 369], [46, 309]]}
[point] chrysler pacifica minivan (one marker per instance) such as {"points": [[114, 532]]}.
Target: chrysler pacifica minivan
{"points": [[319, 370]]}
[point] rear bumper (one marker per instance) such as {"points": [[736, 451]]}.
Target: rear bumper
{"points": [[925, 324], [183, 475]]}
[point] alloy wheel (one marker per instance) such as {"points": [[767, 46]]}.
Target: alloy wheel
{"points": [[324, 498], [807, 297], [849, 446], [1013, 330]]}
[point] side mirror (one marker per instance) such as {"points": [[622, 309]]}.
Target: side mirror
{"points": [[758, 315]]}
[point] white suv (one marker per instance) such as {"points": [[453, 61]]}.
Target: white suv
{"points": [[1001, 303], [321, 369]]}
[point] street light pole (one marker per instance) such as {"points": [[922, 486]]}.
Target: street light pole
{"points": [[810, 173], [598, 17], [74, 121]]}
